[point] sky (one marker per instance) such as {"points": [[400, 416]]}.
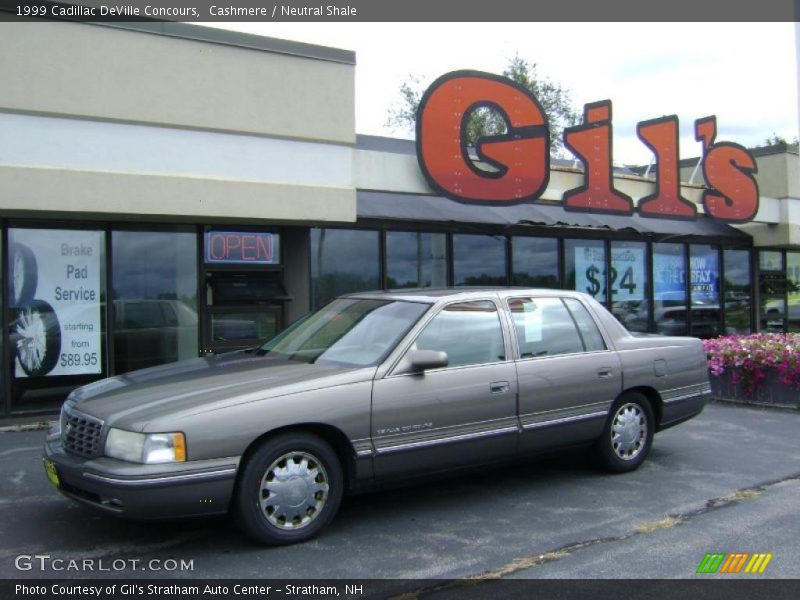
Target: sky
{"points": [[745, 73]]}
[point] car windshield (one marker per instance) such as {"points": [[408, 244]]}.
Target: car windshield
{"points": [[350, 331]]}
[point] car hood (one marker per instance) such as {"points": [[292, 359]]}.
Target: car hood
{"points": [[200, 384]]}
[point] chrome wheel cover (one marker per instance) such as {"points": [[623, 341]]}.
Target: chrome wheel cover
{"points": [[32, 344], [293, 491], [629, 431]]}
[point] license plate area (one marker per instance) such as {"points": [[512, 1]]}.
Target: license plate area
{"points": [[52, 472]]}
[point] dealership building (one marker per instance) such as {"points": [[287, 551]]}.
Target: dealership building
{"points": [[168, 191]]}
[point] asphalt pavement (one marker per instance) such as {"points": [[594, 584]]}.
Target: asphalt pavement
{"points": [[726, 481]]}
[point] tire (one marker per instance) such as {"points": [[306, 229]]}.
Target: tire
{"points": [[37, 338], [627, 435], [23, 274], [288, 489]]}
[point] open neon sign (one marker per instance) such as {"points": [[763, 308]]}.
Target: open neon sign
{"points": [[520, 159], [240, 247]]}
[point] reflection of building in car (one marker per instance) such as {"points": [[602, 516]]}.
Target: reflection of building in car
{"points": [[670, 315], [150, 332]]}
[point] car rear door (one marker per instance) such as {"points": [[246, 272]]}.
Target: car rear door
{"points": [[568, 377], [465, 413]]}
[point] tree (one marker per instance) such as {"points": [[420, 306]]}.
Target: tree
{"points": [[554, 98], [778, 140]]}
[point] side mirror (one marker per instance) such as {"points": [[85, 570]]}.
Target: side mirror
{"points": [[418, 361]]}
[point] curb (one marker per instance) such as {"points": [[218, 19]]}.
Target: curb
{"points": [[38, 426], [751, 404]]}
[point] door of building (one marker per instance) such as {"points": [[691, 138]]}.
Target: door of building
{"points": [[244, 293]]}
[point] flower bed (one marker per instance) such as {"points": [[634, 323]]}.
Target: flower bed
{"points": [[763, 367]]}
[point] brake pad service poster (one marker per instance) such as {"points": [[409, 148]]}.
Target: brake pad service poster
{"points": [[55, 293]]}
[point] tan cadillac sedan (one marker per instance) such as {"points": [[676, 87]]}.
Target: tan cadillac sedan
{"points": [[373, 387]]}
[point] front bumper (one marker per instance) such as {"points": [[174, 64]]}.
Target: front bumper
{"points": [[193, 488]]}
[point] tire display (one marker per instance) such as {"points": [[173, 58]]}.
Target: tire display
{"points": [[24, 275], [628, 433], [36, 334], [288, 489]]}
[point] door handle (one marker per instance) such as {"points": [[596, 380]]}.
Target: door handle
{"points": [[499, 387], [604, 373]]}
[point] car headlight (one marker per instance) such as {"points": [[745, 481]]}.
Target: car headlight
{"points": [[146, 448]]}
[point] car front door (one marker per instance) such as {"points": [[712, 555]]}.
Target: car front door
{"points": [[568, 378], [462, 414]]}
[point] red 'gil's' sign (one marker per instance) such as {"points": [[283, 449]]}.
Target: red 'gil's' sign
{"points": [[520, 158]]}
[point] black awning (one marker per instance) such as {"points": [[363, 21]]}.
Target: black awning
{"points": [[438, 209]]}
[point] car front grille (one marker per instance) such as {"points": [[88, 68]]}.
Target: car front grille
{"points": [[80, 434]]}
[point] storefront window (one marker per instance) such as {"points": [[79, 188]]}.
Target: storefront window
{"points": [[669, 289], [535, 262], [343, 261], [629, 301], [793, 288], [154, 278], [416, 259], [56, 296], [585, 262], [479, 260], [738, 298], [706, 318], [772, 287]]}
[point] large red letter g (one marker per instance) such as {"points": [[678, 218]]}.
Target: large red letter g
{"points": [[518, 161]]}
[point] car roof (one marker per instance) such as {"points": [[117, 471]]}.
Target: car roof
{"points": [[434, 295]]}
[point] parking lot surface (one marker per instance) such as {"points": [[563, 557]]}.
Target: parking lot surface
{"points": [[727, 481]]}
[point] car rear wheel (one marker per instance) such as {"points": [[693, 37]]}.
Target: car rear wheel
{"points": [[288, 489], [628, 433]]}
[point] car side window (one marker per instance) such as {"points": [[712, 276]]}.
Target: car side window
{"points": [[544, 327], [469, 332], [592, 338]]}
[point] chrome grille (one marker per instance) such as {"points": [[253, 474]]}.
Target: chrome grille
{"points": [[80, 434]]}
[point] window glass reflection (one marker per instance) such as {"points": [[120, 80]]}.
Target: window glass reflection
{"points": [[154, 275], [416, 259], [737, 291], [535, 262], [772, 287], [544, 327], [343, 261], [469, 332], [669, 289], [704, 286], [479, 260], [793, 289], [592, 338]]}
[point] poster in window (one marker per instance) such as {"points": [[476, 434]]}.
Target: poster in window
{"points": [[703, 275], [55, 293], [627, 272], [669, 273]]}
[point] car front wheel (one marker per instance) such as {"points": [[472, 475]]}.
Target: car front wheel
{"points": [[628, 433], [288, 490]]}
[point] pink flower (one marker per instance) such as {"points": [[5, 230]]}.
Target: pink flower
{"points": [[749, 358]]}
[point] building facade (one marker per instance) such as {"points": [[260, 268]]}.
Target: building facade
{"points": [[168, 191]]}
